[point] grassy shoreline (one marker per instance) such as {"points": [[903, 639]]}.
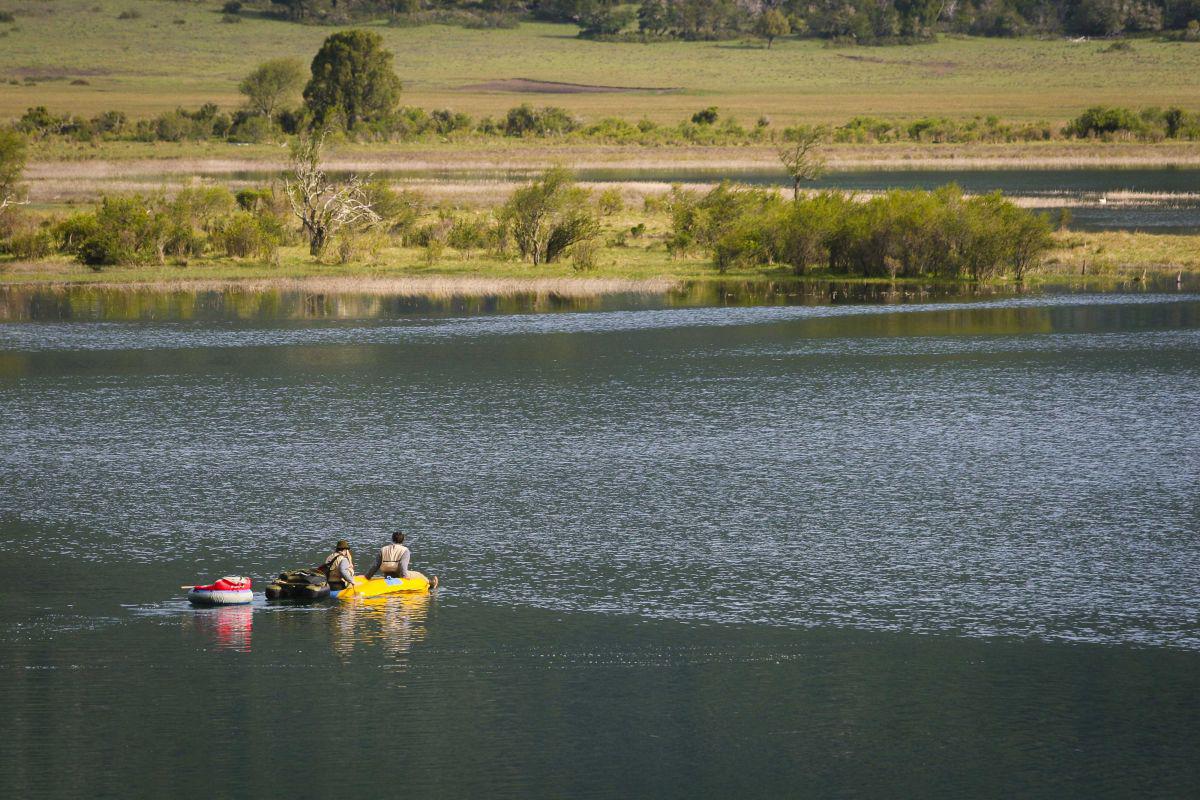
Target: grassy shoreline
{"points": [[1081, 259]]}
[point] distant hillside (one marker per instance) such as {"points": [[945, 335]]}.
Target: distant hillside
{"points": [[144, 57]]}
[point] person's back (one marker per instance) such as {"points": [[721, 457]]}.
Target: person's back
{"points": [[392, 560], [339, 567]]}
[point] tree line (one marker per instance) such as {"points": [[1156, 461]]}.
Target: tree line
{"points": [[859, 21]]}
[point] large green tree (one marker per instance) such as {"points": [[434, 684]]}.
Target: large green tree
{"points": [[352, 80]]}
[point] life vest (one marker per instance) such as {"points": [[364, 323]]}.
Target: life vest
{"points": [[390, 558], [333, 569]]}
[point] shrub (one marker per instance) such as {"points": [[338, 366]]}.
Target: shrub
{"points": [[232, 7], [433, 251], [433, 233], [122, 231], [525, 120], [468, 234], [610, 202], [24, 237], [548, 216], [129, 13], [351, 246], [707, 116], [7, 16], [1103, 121], [902, 233], [109, 122], [583, 255], [244, 234], [251, 128], [604, 20], [444, 121], [70, 232], [31, 245]]}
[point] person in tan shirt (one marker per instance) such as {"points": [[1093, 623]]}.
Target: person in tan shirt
{"points": [[338, 567], [392, 559]]}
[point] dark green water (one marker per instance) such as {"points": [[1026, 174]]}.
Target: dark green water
{"points": [[943, 547]]}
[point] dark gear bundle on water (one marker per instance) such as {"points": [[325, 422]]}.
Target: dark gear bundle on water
{"points": [[301, 584]]}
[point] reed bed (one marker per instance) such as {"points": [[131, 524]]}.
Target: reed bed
{"points": [[485, 193], [160, 159], [433, 286]]}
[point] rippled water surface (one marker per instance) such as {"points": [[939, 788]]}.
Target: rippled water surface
{"points": [[942, 548]]}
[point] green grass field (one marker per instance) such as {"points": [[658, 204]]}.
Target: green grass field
{"points": [[182, 54]]}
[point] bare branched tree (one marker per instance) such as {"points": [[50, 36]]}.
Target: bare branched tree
{"points": [[802, 160], [12, 163], [11, 200], [324, 207]]}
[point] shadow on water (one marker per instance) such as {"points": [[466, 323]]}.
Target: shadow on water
{"points": [[108, 304]]}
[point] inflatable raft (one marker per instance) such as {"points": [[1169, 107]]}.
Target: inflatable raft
{"points": [[376, 587], [228, 591]]}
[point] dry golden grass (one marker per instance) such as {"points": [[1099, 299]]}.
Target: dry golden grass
{"points": [[1120, 253]]}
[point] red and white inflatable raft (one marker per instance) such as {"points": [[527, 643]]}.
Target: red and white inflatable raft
{"points": [[229, 591]]}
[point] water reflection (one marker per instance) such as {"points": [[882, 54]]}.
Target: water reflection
{"points": [[229, 628], [84, 303], [393, 623]]}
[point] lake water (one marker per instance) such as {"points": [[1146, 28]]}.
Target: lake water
{"points": [[939, 546]]}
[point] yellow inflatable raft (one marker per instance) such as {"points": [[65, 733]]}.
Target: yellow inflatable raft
{"points": [[376, 587]]}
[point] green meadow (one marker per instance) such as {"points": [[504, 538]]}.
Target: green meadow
{"points": [[78, 56]]}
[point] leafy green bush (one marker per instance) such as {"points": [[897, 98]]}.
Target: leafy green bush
{"points": [[71, 231], [525, 120], [30, 245], [1105, 121], [252, 129], [610, 202], [468, 234], [584, 255], [123, 230], [24, 236], [901, 233], [548, 216], [244, 234]]}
